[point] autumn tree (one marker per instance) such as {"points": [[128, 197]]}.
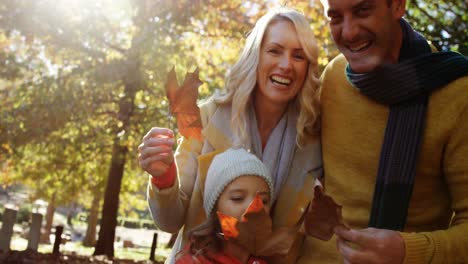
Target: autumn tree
{"points": [[444, 23]]}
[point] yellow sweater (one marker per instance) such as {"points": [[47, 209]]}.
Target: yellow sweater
{"points": [[352, 135]]}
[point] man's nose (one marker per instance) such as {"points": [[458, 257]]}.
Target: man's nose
{"points": [[350, 30]]}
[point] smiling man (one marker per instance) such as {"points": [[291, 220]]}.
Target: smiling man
{"points": [[366, 32], [394, 141]]}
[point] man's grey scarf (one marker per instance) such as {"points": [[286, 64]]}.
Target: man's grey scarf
{"points": [[405, 87]]}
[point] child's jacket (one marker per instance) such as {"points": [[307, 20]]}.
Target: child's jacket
{"points": [[218, 258]]}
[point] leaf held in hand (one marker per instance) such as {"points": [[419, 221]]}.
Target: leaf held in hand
{"points": [[323, 216], [183, 103]]}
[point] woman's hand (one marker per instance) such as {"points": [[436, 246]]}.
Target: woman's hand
{"points": [[155, 152]]}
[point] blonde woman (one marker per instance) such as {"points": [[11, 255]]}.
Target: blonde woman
{"points": [[269, 107]]}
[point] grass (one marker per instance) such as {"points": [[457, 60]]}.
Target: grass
{"points": [[140, 253]]}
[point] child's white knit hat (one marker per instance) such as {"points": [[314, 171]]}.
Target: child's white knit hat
{"points": [[225, 168]]}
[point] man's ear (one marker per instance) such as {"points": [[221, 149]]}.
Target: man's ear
{"points": [[398, 8]]}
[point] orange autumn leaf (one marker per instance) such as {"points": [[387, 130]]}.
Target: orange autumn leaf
{"points": [[256, 206], [255, 231], [183, 103], [255, 226], [228, 225], [323, 216]]}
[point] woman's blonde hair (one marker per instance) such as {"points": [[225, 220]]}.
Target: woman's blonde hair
{"points": [[242, 78]]}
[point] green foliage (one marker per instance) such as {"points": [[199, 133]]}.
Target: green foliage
{"points": [[445, 23], [24, 213]]}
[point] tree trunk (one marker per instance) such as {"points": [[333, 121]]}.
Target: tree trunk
{"points": [[105, 243], [172, 241], [90, 237], [70, 215], [45, 236]]}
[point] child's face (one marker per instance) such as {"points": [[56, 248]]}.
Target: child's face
{"points": [[239, 194]]}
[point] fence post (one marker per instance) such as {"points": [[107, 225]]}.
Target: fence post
{"points": [[153, 246], [35, 231], [8, 221], [58, 239]]}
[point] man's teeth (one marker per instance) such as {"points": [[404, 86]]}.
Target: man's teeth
{"points": [[359, 47], [280, 80]]}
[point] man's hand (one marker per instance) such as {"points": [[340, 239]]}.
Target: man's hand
{"points": [[155, 152], [370, 245]]}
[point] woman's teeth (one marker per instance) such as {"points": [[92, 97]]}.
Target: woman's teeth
{"points": [[280, 80]]}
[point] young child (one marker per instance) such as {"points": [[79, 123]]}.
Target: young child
{"points": [[234, 180]]}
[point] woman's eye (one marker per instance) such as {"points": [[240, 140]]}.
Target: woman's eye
{"points": [[274, 51], [299, 56], [266, 201]]}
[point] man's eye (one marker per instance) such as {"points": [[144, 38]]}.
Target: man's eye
{"points": [[363, 11], [334, 19]]}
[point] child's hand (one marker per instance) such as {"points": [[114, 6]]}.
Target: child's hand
{"points": [[155, 152]]}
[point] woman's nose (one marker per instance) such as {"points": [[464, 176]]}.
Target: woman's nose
{"points": [[285, 63]]}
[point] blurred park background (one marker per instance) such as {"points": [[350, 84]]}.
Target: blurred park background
{"points": [[81, 81]]}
